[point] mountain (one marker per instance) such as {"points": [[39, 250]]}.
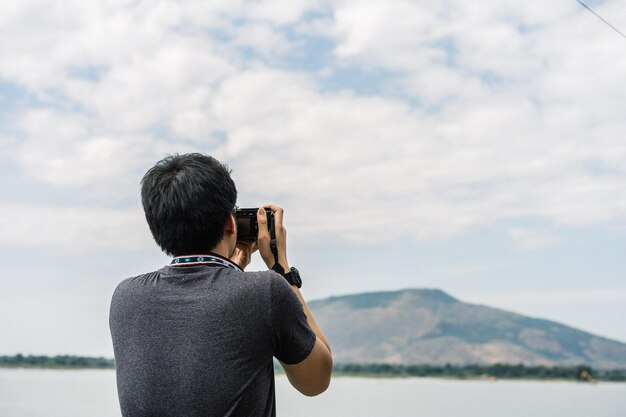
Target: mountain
{"points": [[428, 326]]}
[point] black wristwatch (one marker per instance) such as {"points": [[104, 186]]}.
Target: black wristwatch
{"points": [[292, 277]]}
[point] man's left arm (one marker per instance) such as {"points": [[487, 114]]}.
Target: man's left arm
{"points": [[311, 376]]}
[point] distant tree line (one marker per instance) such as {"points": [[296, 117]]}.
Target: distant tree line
{"points": [[498, 371], [60, 361]]}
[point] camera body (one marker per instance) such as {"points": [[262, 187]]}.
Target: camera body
{"points": [[247, 224]]}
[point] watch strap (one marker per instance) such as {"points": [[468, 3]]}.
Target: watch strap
{"points": [[279, 269], [292, 277]]}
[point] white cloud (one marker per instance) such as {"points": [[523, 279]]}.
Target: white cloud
{"points": [[517, 116], [492, 117], [72, 229], [279, 12], [63, 150], [348, 154]]}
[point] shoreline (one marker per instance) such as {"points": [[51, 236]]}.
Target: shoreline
{"points": [[498, 371], [372, 376]]}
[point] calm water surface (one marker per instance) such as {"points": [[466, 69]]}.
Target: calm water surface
{"points": [[50, 393]]}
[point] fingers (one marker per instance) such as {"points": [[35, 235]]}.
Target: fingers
{"points": [[263, 240], [244, 247], [254, 247], [241, 254], [278, 213], [264, 233]]}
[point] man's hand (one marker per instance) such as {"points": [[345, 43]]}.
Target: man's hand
{"points": [[263, 241], [242, 254]]}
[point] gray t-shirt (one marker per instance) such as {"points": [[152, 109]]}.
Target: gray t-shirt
{"points": [[199, 341]]}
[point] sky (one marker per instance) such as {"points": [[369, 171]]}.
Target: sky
{"points": [[413, 144]]}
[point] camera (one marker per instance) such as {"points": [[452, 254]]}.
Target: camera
{"points": [[247, 224]]}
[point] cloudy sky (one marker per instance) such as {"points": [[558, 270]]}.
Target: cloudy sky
{"points": [[476, 149]]}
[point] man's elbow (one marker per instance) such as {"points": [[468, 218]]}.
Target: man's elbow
{"points": [[321, 382]]}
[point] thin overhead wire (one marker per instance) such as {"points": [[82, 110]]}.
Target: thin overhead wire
{"points": [[601, 18]]}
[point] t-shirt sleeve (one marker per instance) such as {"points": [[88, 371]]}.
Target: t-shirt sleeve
{"points": [[292, 338]]}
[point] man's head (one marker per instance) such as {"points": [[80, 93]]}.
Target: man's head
{"points": [[187, 200]]}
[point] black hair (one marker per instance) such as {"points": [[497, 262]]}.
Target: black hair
{"points": [[187, 200]]}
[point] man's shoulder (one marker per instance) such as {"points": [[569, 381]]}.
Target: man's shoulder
{"points": [[137, 279], [268, 279], [267, 282], [264, 277]]}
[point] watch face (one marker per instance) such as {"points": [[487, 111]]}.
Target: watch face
{"points": [[295, 275]]}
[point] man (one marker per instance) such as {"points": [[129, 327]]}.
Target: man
{"points": [[197, 337]]}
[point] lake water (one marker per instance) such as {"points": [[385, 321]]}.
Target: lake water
{"points": [[90, 393]]}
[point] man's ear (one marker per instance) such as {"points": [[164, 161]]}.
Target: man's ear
{"points": [[230, 228]]}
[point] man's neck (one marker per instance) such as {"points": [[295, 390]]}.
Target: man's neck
{"points": [[222, 249]]}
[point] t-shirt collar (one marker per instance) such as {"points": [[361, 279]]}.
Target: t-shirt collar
{"points": [[210, 258]]}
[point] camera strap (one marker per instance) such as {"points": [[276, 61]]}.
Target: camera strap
{"points": [[273, 244]]}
